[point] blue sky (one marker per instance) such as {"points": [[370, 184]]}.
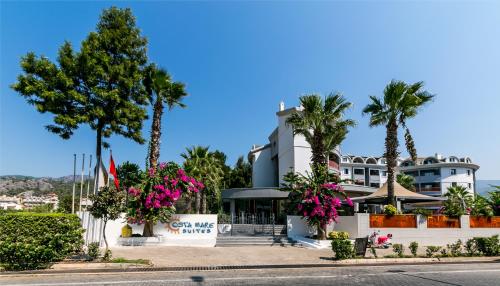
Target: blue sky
{"points": [[240, 59]]}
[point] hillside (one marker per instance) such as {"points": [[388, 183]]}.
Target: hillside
{"points": [[15, 184]]}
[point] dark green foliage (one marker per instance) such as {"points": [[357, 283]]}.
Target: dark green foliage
{"points": [[107, 255], [471, 247], [399, 249], [129, 174], [420, 211], [400, 102], [93, 250], [107, 205], [34, 240], [322, 124], [413, 248], [241, 174], [100, 85], [432, 250], [373, 250], [488, 246], [342, 248], [455, 249], [407, 181]]}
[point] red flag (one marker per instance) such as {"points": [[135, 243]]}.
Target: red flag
{"points": [[112, 171]]}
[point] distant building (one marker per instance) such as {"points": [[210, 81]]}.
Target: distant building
{"points": [[10, 203], [30, 201], [288, 152]]}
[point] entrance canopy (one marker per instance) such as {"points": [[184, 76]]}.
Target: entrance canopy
{"points": [[254, 193], [400, 193]]}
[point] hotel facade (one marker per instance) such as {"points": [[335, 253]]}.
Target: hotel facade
{"points": [[287, 152]]}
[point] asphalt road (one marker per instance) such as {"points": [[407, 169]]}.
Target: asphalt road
{"points": [[432, 274]]}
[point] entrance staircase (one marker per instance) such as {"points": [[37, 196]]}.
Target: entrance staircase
{"points": [[257, 240]]}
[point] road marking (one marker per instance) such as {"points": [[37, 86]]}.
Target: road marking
{"points": [[248, 278]]}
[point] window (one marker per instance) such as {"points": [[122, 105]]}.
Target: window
{"points": [[359, 171], [345, 160], [346, 171], [468, 172], [384, 173], [374, 172], [470, 186], [454, 184], [375, 185], [453, 171]]}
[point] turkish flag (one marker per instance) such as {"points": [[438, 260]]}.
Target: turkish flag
{"points": [[112, 170]]}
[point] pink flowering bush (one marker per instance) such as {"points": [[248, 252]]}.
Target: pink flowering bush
{"points": [[316, 199], [155, 199]]}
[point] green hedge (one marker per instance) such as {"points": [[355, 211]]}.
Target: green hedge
{"points": [[34, 240]]}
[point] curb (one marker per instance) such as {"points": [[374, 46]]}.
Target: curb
{"points": [[123, 267]]}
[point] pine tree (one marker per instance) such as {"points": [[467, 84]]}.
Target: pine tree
{"points": [[100, 85]]}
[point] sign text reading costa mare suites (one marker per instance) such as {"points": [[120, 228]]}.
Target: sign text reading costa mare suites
{"points": [[179, 226]]}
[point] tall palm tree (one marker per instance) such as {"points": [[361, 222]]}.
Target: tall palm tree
{"points": [[161, 91], [322, 124], [400, 102], [205, 166]]}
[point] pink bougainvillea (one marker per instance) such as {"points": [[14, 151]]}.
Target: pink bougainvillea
{"points": [[163, 187]]}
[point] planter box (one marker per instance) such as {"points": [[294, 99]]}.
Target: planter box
{"points": [[138, 241], [395, 221], [484, 222], [442, 221]]}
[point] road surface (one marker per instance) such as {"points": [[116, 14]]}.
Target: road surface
{"points": [[431, 274]]}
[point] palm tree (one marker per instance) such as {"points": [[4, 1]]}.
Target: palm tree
{"points": [[407, 181], [161, 91], [322, 124], [204, 166], [460, 194], [401, 101]]}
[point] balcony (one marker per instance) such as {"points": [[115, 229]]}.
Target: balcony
{"points": [[333, 165]]}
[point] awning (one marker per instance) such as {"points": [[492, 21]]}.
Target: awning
{"points": [[400, 193]]}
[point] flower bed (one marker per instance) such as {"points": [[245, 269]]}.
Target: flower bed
{"points": [[442, 221], [396, 221], [484, 222]]}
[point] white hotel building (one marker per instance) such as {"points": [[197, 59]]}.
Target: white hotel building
{"points": [[288, 152]]}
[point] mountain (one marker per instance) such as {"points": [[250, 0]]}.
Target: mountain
{"points": [[484, 186], [15, 184]]}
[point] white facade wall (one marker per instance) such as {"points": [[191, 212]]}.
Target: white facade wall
{"points": [[359, 226], [461, 178], [183, 230], [263, 170], [285, 148]]}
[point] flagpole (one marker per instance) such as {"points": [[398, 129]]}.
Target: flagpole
{"points": [[88, 182], [81, 182], [74, 182], [87, 230]]}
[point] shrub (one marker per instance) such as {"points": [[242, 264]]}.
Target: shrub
{"points": [[455, 249], [338, 235], [398, 249], [390, 210], [414, 248], [93, 250], [420, 211], [107, 255], [488, 246], [34, 240], [374, 252], [471, 247], [431, 250], [342, 248]]}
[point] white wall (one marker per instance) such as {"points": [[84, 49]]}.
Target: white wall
{"points": [[461, 178], [263, 170], [359, 226], [182, 230], [285, 148]]}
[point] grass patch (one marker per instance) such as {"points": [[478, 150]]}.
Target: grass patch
{"points": [[134, 261]]}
